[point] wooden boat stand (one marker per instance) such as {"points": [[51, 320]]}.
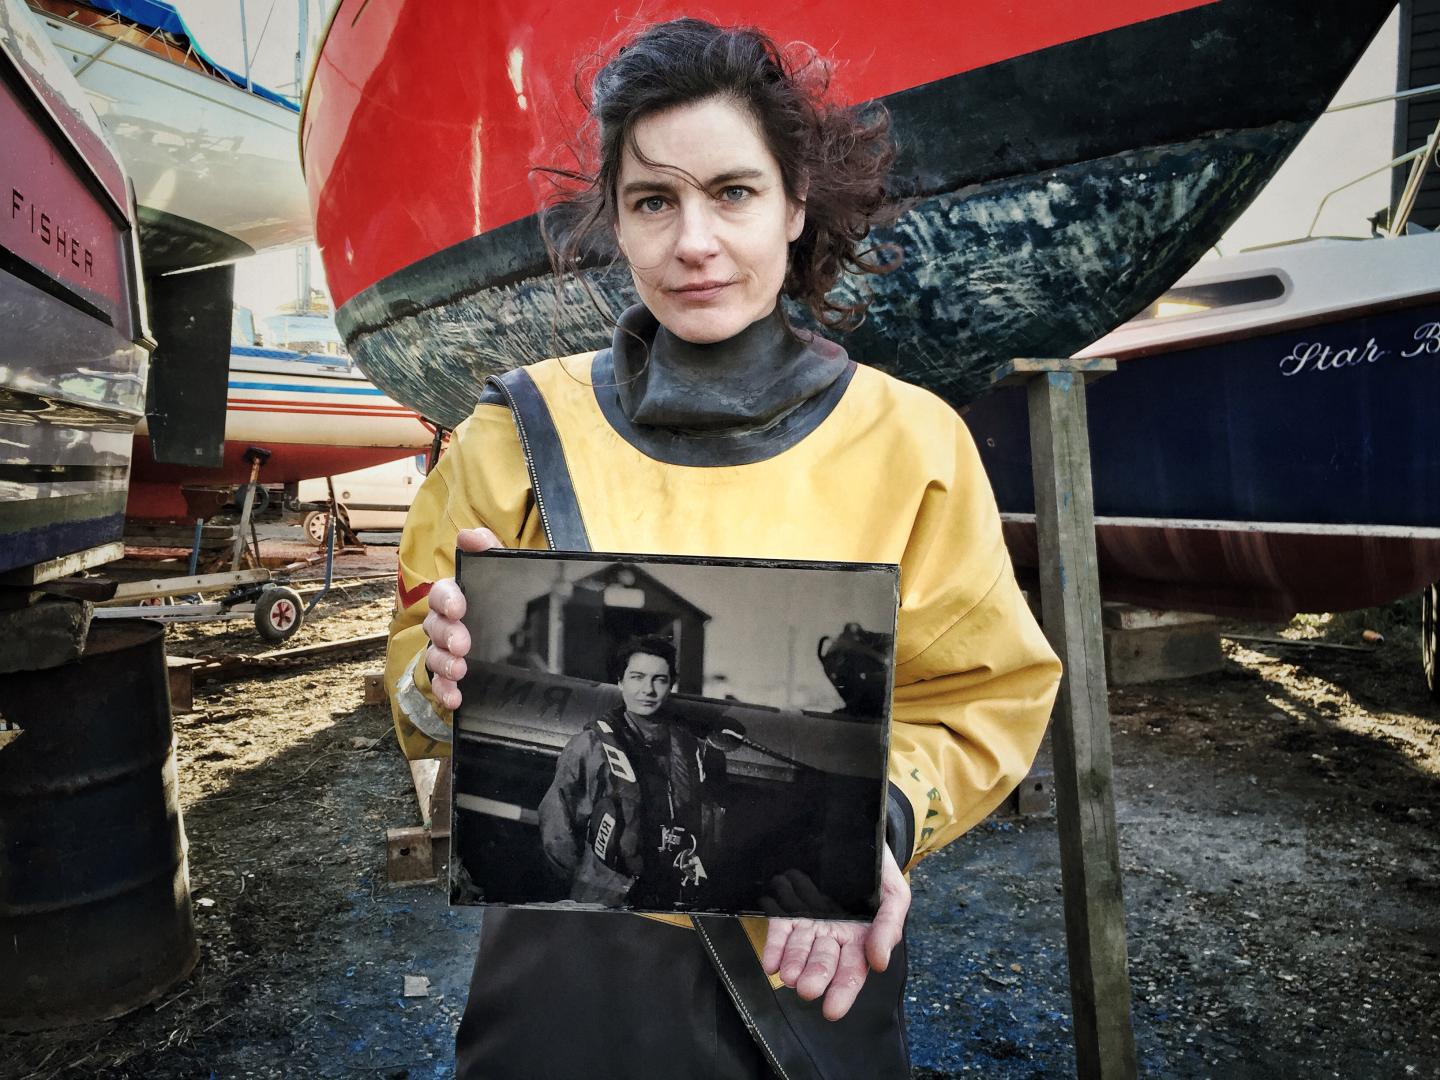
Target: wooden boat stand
{"points": [[1080, 728]]}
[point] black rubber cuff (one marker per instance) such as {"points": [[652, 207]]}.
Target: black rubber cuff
{"points": [[899, 826]]}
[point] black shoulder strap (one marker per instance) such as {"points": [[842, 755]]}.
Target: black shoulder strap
{"points": [[545, 458]]}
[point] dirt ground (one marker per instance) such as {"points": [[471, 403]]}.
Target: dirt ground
{"points": [[1278, 827]]}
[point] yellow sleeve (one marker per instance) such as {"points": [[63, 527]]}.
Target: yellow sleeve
{"points": [[481, 480], [975, 678]]}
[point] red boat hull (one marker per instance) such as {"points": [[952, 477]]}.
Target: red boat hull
{"points": [[512, 104], [155, 491]]}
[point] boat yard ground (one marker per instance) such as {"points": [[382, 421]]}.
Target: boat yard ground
{"points": [[1278, 826]]}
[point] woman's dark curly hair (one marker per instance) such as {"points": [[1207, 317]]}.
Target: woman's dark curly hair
{"points": [[833, 159]]}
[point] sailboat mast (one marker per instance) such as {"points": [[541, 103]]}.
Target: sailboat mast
{"points": [[301, 54]]}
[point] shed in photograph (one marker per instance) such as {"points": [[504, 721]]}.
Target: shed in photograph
{"points": [[576, 626]]}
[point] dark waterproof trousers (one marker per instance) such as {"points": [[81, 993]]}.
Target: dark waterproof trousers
{"points": [[612, 996]]}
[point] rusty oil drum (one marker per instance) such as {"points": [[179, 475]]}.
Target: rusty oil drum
{"points": [[95, 916]]}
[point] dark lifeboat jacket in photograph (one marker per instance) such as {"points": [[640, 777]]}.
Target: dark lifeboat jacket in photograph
{"points": [[627, 822]]}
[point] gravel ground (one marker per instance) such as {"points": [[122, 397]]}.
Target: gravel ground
{"points": [[1277, 827]]}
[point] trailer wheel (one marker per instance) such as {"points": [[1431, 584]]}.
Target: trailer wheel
{"points": [[1430, 637], [262, 499], [279, 614], [315, 524]]}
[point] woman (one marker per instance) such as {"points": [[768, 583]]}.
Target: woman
{"points": [[711, 427]]}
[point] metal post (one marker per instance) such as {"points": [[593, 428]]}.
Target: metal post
{"points": [[1080, 733], [245, 43]]}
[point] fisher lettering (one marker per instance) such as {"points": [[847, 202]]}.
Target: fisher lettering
{"points": [[52, 234]]}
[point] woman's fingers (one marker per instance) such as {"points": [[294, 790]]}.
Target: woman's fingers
{"points": [[849, 979], [444, 664], [777, 933], [476, 540], [889, 923], [445, 691], [449, 640], [447, 634], [819, 968], [823, 957], [446, 599], [798, 952]]}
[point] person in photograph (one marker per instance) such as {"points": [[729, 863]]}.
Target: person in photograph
{"points": [[718, 171], [634, 814]]}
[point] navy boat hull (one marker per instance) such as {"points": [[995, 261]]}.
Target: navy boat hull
{"points": [[1296, 470]]}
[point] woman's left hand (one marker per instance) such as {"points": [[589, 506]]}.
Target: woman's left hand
{"points": [[821, 956]]}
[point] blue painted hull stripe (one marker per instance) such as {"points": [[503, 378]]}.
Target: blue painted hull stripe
{"points": [[368, 391]]}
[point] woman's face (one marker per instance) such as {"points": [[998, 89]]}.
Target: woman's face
{"points": [[707, 261]]}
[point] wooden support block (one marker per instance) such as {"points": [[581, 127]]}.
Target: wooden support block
{"points": [[1032, 797], [1162, 652], [431, 777], [1129, 617], [409, 859], [182, 682], [1022, 370], [1080, 734], [375, 688]]}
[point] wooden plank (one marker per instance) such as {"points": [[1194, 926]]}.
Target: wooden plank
{"points": [[431, 777], [65, 565], [408, 856], [1022, 369], [374, 688], [1299, 643], [179, 586], [1080, 735], [1131, 617], [182, 682]]}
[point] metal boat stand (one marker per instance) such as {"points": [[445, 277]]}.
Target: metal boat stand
{"points": [[1080, 729]]}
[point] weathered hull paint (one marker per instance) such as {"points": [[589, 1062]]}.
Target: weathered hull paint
{"points": [[1061, 179], [1247, 570], [1032, 266]]}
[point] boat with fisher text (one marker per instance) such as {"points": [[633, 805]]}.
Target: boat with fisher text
{"points": [[72, 319]]}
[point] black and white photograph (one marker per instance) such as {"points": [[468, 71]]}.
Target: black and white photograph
{"points": [[670, 734]]}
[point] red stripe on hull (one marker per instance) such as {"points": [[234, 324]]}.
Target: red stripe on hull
{"points": [[291, 410], [514, 96], [155, 488]]}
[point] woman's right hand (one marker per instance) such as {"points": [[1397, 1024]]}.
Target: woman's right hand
{"points": [[449, 640]]}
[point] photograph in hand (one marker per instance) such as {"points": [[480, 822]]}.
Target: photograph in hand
{"points": [[669, 734]]}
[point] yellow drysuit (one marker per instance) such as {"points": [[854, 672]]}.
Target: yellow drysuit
{"points": [[891, 475]]}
